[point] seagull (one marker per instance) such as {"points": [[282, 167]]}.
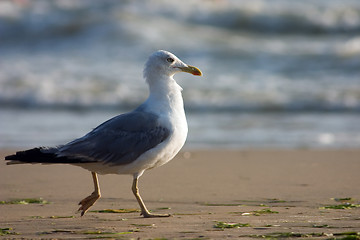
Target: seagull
{"points": [[130, 143]]}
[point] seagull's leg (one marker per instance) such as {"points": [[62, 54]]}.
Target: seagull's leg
{"points": [[87, 202], [144, 210]]}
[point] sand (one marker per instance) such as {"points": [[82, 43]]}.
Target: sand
{"points": [[279, 194]]}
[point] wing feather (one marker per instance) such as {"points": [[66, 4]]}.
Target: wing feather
{"points": [[118, 141]]}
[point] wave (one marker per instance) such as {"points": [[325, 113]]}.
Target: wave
{"points": [[286, 17], [39, 19], [46, 62]]}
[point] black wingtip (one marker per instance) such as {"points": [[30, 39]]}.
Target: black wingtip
{"points": [[10, 157], [41, 155]]}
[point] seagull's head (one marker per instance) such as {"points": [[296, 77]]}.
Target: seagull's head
{"points": [[166, 64]]}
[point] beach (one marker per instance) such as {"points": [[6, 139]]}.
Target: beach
{"points": [[273, 149], [211, 194]]}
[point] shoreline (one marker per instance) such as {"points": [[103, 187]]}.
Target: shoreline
{"points": [[263, 191]]}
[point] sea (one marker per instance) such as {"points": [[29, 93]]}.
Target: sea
{"points": [[277, 74]]}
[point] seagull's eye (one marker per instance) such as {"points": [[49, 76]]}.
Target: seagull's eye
{"points": [[170, 60]]}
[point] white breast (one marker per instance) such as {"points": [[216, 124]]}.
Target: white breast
{"points": [[170, 109]]}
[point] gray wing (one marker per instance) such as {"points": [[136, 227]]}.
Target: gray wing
{"points": [[120, 140]]}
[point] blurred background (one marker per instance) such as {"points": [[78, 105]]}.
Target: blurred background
{"points": [[278, 74]]}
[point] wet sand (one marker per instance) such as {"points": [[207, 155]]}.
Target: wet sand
{"points": [[279, 194]]}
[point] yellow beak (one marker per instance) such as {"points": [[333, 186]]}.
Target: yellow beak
{"points": [[191, 69]]}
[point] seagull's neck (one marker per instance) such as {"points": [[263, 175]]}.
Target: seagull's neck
{"points": [[165, 96]]}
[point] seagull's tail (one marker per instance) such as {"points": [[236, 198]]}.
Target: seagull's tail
{"points": [[39, 155]]}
